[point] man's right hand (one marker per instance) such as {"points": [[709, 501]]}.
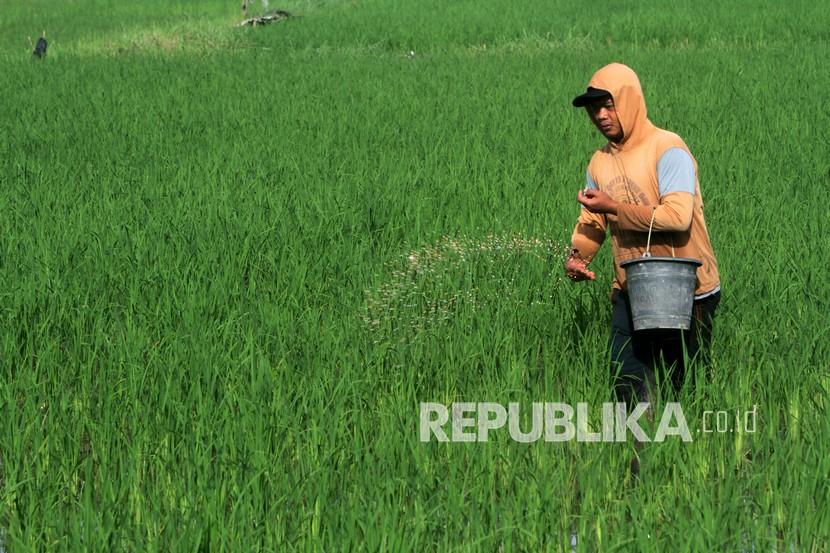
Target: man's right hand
{"points": [[576, 269]]}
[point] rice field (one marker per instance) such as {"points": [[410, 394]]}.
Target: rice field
{"points": [[235, 261]]}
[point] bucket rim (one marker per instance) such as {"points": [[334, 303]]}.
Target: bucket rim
{"points": [[688, 260]]}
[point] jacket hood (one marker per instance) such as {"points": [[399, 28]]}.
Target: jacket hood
{"points": [[624, 85]]}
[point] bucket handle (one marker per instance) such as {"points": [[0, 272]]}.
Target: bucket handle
{"points": [[647, 253]]}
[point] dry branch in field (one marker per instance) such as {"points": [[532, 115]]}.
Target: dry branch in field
{"points": [[270, 17]]}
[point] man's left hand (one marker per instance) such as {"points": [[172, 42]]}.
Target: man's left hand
{"points": [[597, 201]]}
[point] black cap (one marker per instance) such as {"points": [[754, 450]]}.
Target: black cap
{"points": [[589, 96]]}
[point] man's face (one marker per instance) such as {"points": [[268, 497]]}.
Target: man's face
{"points": [[603, 115]]}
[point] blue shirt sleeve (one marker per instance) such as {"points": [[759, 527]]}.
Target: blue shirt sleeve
{"points": [[589, 182], [675, 172]]}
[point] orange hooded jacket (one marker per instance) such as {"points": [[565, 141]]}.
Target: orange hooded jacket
{"points": [[628, 173]]}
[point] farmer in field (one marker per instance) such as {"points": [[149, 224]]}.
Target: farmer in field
{"points": [[642, 172]]}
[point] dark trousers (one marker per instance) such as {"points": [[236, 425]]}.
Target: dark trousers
{"points": [[637, 356]]}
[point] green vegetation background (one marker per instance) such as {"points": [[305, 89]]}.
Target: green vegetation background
{"points": [[211, 334]]}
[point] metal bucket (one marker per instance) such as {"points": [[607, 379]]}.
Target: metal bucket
{"points": [[661, 291]]}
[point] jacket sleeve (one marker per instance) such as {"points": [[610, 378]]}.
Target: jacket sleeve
{"points": [[589, 234], [673, 213]]}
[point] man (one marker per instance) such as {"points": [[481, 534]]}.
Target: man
{"points": [[642, 173]]}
